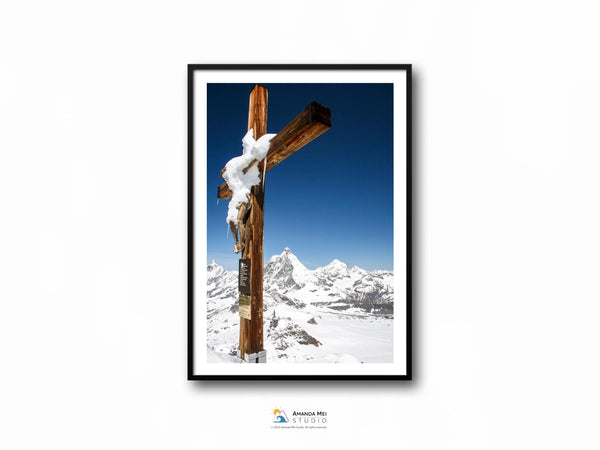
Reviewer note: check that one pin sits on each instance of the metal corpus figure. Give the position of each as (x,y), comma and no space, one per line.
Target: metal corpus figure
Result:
(243,215)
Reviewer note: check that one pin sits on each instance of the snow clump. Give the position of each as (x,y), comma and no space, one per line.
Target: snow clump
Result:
(239,182)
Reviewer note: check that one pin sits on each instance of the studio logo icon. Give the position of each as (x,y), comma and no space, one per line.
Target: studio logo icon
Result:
(279,416)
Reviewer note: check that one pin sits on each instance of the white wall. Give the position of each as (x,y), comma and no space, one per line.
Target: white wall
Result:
(93,209)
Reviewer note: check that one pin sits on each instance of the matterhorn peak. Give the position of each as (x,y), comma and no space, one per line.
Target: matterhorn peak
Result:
(285,270)
(286,255)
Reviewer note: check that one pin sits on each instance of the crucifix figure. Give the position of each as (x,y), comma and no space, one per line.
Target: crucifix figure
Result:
(308,125)
(242,218)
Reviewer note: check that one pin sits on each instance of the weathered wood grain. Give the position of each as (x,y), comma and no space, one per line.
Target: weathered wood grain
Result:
(251,331)
(307,126)
(257,110)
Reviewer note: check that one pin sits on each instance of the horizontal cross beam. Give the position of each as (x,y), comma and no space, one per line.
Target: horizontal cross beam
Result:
(307,126)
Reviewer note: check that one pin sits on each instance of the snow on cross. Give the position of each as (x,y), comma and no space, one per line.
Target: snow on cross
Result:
(245,215)
(240,175)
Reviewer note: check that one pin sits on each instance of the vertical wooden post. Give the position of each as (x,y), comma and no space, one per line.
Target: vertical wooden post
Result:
(251,331)
(308,125)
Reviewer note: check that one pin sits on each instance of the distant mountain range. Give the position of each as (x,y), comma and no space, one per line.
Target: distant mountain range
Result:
(330,314)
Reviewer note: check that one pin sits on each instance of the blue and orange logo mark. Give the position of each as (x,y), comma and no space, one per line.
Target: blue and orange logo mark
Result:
(279,416)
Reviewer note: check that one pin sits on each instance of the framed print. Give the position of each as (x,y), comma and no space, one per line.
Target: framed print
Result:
(299,222)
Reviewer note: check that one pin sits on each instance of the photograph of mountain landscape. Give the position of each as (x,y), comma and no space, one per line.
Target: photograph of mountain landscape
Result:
(333,314)
(304,269)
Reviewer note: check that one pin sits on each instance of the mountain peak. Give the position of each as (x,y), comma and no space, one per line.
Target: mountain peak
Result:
(337,263)
(214,269)
(287,270)
(286,254)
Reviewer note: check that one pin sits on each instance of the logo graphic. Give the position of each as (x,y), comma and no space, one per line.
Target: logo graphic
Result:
(279,416)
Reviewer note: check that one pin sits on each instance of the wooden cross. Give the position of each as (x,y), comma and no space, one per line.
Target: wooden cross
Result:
(308,125)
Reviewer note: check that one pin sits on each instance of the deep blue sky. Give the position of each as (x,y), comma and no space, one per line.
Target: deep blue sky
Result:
(333,199)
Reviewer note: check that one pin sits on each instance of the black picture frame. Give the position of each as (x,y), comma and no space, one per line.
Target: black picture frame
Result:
(191,286)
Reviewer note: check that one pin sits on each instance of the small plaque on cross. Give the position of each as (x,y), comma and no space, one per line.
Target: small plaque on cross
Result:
(245,306)
(245,298)
(244,277)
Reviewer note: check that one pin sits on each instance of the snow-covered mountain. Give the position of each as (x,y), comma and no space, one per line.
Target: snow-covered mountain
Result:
(285,272)
(334,286)
(331,314)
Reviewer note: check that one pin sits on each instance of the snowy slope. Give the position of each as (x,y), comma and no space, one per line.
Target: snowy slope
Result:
(332,314)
